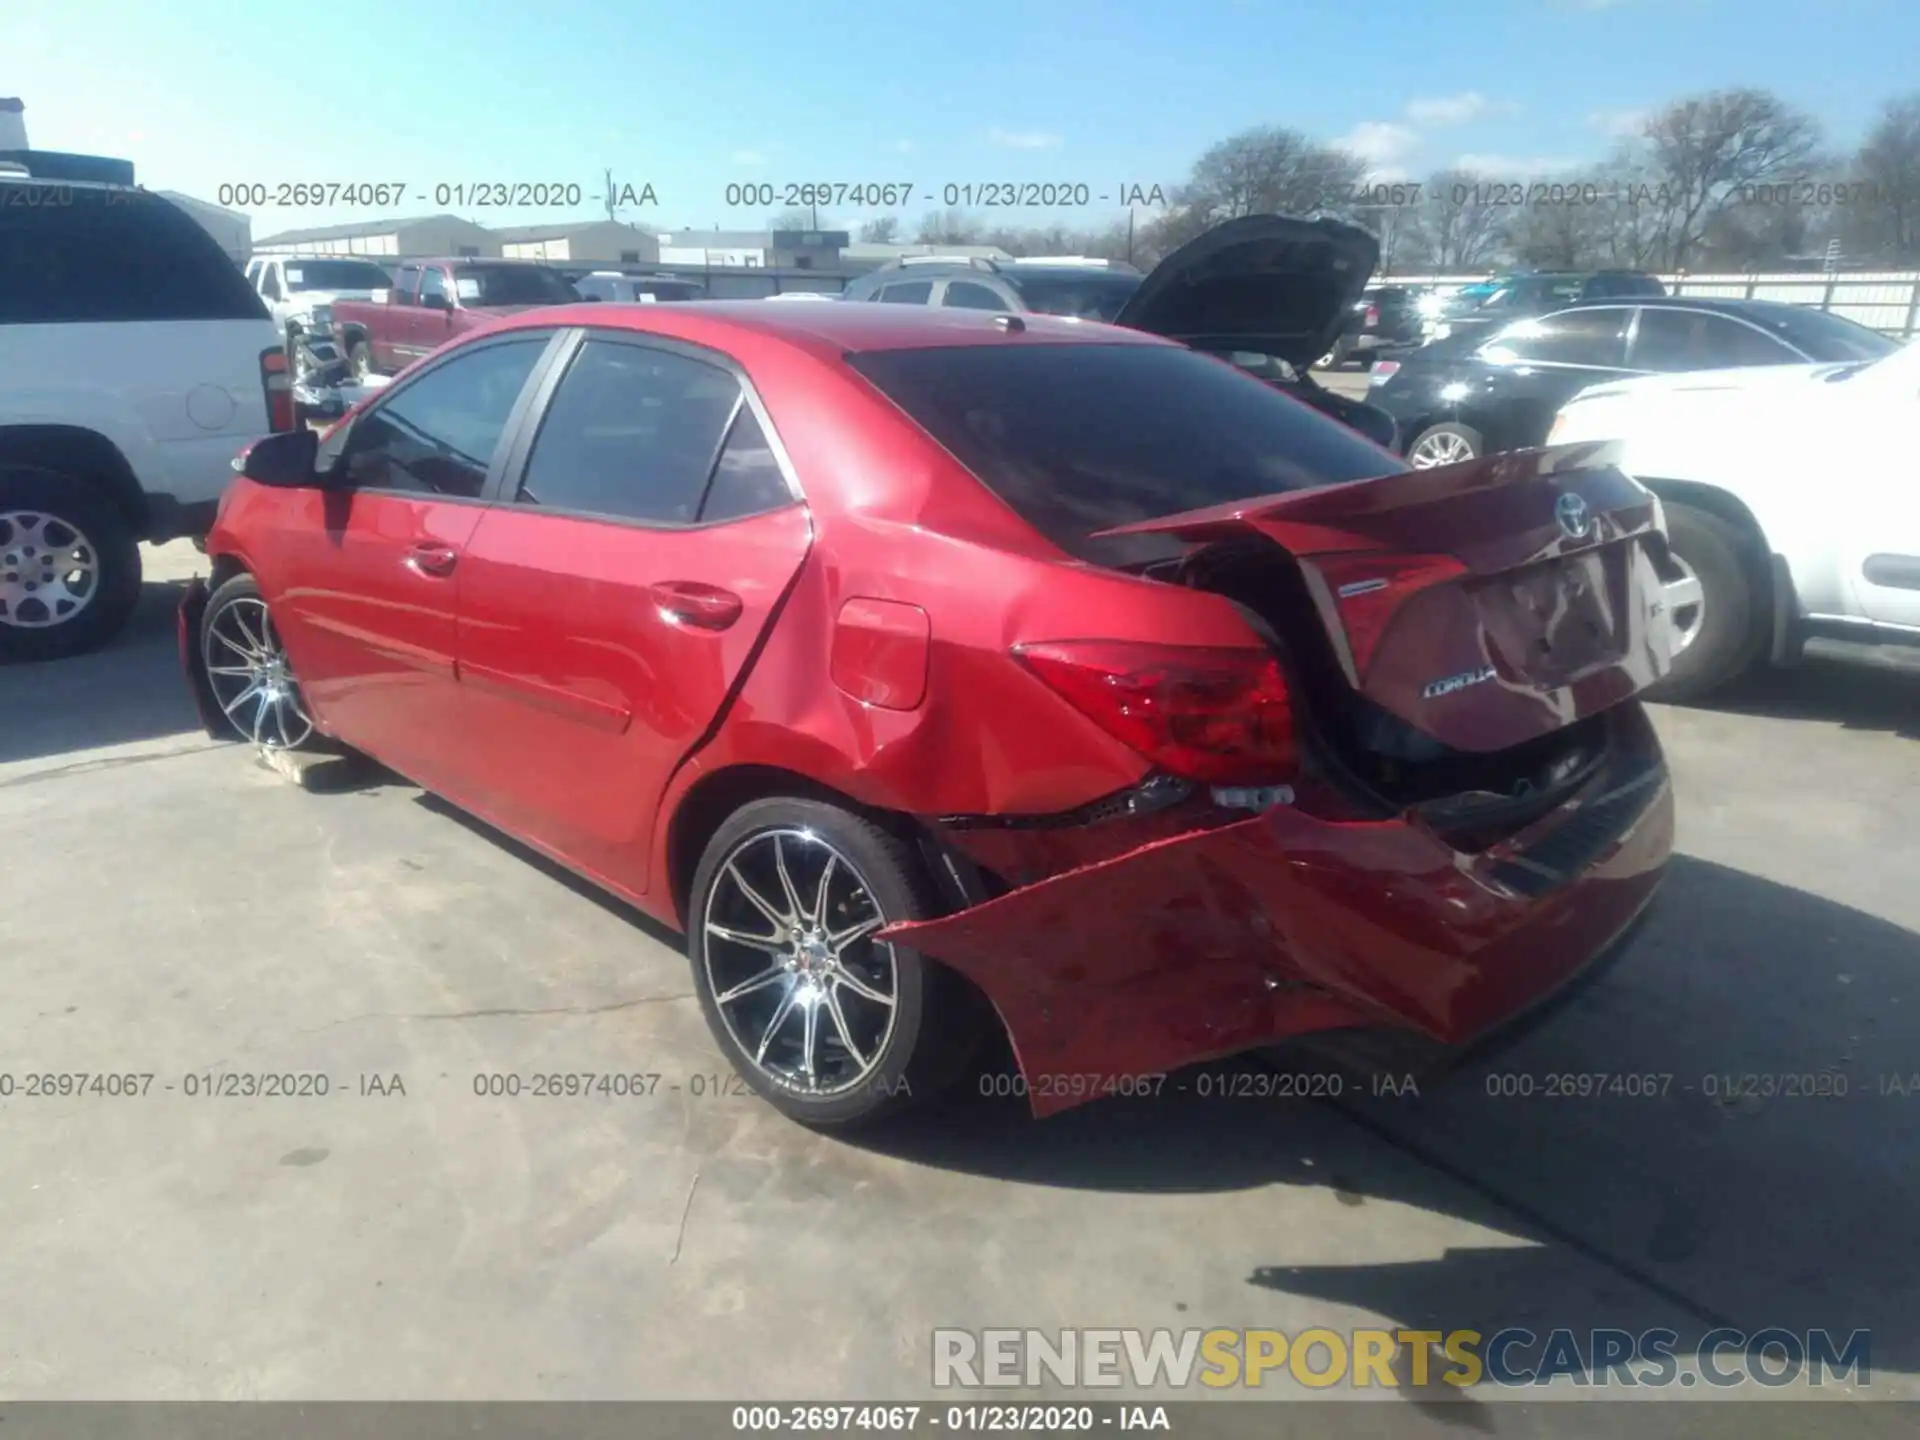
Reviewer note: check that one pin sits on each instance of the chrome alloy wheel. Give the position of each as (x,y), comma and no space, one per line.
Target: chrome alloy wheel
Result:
(804,990)
(1445,448)
(251,679)
(1685,599)
(49,570)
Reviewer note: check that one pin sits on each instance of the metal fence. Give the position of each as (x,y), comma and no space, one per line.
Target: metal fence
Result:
(1885,300)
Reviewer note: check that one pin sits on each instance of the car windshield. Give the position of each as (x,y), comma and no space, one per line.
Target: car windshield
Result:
(1824,337)
(1084,296)
(512,285)
(1079,438)
(336,275)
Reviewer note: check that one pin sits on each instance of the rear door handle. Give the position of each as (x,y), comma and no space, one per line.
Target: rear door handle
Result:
(436,561)
(689,602)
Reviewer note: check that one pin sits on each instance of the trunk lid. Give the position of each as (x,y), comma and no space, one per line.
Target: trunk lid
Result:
(1264,283)
(1484,604)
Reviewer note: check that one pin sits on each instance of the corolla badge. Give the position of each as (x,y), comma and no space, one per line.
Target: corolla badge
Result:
(1448,684)
(1575,518)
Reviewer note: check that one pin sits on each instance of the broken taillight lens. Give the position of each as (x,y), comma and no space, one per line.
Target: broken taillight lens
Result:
(1205,713)
(1369,588)
(1373,316)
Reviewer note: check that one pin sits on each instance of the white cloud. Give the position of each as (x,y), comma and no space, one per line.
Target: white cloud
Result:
(1516,168)
(749,157)
(1381,141)
(1622,123)
(1023,139)
(1456,109)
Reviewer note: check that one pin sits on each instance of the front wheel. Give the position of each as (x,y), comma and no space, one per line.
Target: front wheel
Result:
(829,1025)
(1447,444)
(69,565)
(248,671)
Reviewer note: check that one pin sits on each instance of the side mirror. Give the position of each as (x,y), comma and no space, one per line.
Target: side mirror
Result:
(436,302)
(285,460)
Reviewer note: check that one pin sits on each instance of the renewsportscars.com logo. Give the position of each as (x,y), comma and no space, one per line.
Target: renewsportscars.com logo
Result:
(1320,1358)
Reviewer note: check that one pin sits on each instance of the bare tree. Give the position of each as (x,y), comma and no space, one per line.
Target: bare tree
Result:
(1709,149)
(881,230)
(1882,215)
(798,218)
(1268,169)
(947,227)
(1449,229)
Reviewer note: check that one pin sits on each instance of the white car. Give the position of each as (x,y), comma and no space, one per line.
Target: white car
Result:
(299,290)
(135,363)
(1792,499)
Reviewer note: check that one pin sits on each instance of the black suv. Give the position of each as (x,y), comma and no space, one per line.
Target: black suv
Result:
(1267,292)
(1528,293)
(1384,320)
(619,286)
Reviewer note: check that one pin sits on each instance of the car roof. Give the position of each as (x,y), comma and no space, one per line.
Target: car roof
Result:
(829,331)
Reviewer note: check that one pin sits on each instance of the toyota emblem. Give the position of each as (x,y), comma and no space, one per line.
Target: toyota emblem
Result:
(1574,516)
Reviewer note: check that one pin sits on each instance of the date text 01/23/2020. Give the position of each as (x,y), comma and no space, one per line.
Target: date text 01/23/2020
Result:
(971,194)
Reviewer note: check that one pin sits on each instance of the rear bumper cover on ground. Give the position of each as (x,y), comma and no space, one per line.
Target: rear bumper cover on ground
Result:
(1225,940)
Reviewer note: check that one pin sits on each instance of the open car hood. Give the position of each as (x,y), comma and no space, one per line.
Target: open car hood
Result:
(1265,283)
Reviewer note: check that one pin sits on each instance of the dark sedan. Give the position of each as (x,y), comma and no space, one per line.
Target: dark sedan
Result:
(1457,399)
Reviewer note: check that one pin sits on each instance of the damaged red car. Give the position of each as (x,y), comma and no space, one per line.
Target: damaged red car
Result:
(931,666)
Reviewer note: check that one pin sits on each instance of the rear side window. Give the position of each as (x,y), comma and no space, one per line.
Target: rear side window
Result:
(72,254)
(970,295)
(909,292)
(1674,340)
(1078,438)
(748,479)
(632,434)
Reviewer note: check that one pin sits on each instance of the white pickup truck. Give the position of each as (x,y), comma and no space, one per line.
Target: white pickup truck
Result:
(299,290)
(1792,505)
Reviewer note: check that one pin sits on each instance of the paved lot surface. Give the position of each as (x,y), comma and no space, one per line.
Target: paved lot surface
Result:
(167,906)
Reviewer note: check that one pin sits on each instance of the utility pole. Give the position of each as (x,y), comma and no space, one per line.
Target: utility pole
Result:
(609,194)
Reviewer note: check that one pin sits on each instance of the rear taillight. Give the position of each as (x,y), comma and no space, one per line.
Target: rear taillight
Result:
(278,388)
(1215,715)
(1373,316)
(1368,589)
(1383,371)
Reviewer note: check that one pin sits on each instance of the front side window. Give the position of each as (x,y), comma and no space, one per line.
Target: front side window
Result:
(436,435)
(1596,338)
(270,284)
(632,434)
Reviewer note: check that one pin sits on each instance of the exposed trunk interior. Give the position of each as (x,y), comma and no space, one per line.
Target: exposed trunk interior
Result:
(1475,799)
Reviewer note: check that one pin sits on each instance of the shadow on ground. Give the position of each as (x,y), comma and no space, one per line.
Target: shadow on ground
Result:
(1727,1183)
(1856,697)
(130,690)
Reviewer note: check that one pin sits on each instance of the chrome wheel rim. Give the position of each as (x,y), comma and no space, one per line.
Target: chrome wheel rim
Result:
(806,992)
(49,570)
(1445,448)
(1686,602)
(251,678)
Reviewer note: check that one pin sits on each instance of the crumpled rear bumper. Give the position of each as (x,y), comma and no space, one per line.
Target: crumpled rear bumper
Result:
(1224,940)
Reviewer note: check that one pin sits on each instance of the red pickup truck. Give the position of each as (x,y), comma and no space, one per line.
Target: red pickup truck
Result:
(431,301)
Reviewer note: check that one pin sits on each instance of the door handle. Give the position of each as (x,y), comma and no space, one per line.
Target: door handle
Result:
(434,561)
(689,602)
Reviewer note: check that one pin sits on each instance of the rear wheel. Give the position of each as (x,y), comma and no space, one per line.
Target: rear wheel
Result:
(359,361)
(1446,444)
(69,565)
(1713,594)
(829,1025)
(248,671)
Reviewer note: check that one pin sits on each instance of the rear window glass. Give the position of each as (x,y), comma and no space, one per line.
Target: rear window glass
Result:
(1079,438)
(1826,338)
(75,254)
(1086,297)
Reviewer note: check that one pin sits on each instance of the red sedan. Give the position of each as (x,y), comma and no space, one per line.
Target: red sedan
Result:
(908,659)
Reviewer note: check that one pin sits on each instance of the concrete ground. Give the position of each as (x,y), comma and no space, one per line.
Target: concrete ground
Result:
(170,908)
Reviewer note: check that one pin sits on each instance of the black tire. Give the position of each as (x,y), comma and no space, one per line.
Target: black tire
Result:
(1735,618)
(936,1017)
(242,589)
(1475,441)
(73,507)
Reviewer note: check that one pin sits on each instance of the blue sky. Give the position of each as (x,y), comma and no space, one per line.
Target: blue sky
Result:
(692,97)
